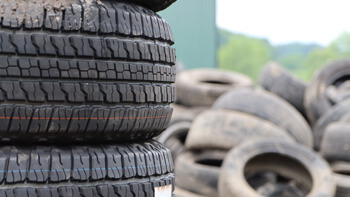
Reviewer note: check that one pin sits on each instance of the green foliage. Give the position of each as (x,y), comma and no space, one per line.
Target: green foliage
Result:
(248,55)
(244,54)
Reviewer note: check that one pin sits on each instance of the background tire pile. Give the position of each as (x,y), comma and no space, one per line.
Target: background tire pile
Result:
(83,91)
(284,138)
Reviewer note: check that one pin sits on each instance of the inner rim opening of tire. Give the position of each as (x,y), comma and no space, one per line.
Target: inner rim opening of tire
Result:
(277,169)
(210,162)
(218,82)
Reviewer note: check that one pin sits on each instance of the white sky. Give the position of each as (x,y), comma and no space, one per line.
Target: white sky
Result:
(283,21)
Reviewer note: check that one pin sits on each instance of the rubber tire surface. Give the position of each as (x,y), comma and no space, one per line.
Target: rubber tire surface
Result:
(155,5)
(232,181)
(224,129)
(196,177)
(183,193)
(342,181)
(94,72)
(173,138)
(335,142)
(316,101)
(282,83)
(181,114)
(335,114)
(196,87)
(109,170)
(269,107)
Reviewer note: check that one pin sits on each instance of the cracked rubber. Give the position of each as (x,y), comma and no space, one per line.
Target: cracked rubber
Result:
(93,71)
(106,171)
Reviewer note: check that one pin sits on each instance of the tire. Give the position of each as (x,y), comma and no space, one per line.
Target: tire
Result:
(201,87)
(333,115)
(155,5)
(269,107)
(285,85)
(90,74)
(295,162)
(222,129)
(198,172)
(341,175)
(174,138)
(317,102)
(181,114)
(183,193)
(110,170)
(335,142)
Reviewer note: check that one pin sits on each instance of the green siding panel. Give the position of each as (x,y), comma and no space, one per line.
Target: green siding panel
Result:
(193,23)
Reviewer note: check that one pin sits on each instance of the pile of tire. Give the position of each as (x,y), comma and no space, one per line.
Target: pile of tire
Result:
(196,91)
(85,86)
(284,138)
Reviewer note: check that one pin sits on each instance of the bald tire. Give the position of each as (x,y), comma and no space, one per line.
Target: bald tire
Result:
(279,81)
(335,142)
(269,107)
(336,113)
(233,183)
(225,129)
(201,87)
(97,71)
(179,192)
(341,175)
(198,172)
(316,101)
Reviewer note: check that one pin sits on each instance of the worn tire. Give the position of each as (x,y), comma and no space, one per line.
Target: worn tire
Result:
(341,172)
(316,101)
(335,114)
(155,5)
(107,170)
(335,142)
(285,85)
(174,138)
(201,87)
(291,160)
(269,107)
(87,74)
(183,193)
(181,114)
(198,172)
(223,129)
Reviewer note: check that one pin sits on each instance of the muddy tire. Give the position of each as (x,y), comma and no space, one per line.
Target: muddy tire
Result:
(155,5)
(341,175)
(198,172)
(282,83)
(335,142)
(39,171)
(335,114)
(84,73)
(201,87)
(292,161)
(174,138)
(317,102)
(223,129)
(269,107)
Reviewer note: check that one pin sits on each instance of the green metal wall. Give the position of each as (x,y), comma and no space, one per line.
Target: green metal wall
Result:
(193,23)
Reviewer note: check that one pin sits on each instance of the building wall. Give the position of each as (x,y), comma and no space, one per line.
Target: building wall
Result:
(193,23)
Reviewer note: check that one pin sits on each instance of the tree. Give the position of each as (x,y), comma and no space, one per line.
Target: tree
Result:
(244,54)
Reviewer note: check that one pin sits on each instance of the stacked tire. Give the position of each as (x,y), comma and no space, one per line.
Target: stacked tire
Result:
(84,88)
